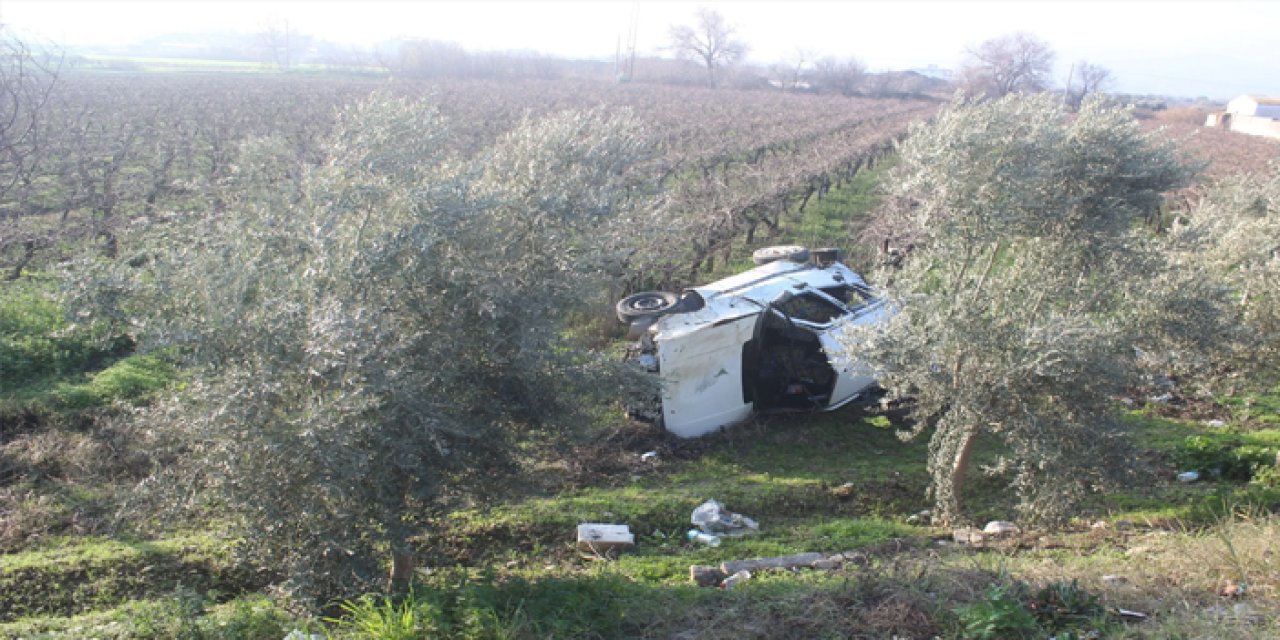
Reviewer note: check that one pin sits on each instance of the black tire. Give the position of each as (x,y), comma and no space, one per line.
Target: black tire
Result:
(647,304)
(791,252)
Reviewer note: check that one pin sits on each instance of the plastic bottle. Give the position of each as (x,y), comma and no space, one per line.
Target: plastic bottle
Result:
(705,538)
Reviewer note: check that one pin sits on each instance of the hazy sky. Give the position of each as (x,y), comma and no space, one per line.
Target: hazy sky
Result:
(1218,49)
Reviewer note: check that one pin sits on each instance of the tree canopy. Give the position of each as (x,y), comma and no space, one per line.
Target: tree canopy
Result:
(1015,63)
(1031,290)
(365,335)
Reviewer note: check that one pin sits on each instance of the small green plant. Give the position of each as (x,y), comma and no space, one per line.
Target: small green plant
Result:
(174,617)
(1226,456)
(1014,610)
(383,618)
(1267,476)
(250,617)
(1064,605)
(1001,613)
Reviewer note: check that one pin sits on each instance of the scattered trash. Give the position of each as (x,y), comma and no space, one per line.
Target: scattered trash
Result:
(1246,613)
(712,517)
(856,557)
(1000,528)
(1233,589)
(1241,611)
(1217,424)
(735,579)
(1114,580)
(923,517)
(1163,398)
(1188,476)
(649,456)
(709,539)
(1133,615)
(794,561)
(1101,524)
(299,634)
(829,564)
(599,538)
(649,361)
(969,536)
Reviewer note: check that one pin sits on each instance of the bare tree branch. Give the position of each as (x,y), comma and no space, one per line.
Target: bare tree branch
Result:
(711,42)
(1016,63)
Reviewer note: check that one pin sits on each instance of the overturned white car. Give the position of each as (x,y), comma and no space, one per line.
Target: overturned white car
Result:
(758,341)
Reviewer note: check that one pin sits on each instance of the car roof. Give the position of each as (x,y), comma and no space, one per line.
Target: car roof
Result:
(749,292)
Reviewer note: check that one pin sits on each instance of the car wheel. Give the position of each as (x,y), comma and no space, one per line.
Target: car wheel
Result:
(791,252)
(646,305)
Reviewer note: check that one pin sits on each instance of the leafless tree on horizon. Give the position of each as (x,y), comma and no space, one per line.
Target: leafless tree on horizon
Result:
(711,42)
(1014,63)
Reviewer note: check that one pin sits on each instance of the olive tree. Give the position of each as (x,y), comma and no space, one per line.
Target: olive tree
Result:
(1019,312)
(364,337)
(1232,232)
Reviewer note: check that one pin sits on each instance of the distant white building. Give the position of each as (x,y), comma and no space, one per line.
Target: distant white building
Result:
(1255,106)
(1254,115)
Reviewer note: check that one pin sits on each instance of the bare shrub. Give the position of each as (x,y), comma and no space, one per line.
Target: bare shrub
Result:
(1181,115)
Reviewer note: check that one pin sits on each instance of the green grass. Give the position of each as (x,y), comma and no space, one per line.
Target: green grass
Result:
(1261,406)
(781,472)
(519,576)
(50,365)
(184,614)
(1161,501)
(834,221)
(84,574)
(132,379)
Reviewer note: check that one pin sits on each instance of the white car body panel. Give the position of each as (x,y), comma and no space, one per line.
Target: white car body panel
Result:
(701,353)
(702,378)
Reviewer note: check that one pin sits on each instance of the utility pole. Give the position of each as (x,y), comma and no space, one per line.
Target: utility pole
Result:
(1066,93)
(631,41)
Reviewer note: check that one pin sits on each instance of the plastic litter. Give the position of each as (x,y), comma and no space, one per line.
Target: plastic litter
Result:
(712,517)
(598,537)
(1188,476)
(735,579)
(709,539)
(649,456)
(299,634)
